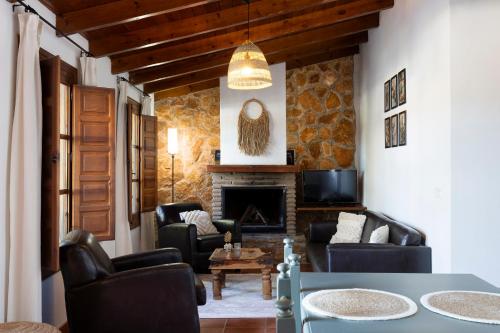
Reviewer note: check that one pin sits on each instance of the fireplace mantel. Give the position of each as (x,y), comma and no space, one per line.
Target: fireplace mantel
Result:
(252,168)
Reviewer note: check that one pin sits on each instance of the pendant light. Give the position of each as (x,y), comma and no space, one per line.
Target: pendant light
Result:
(248,68)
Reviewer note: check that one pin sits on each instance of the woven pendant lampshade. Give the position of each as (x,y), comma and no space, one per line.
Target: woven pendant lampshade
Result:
(248,68)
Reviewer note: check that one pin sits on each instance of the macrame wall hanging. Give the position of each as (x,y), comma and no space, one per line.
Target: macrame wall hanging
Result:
(253,134)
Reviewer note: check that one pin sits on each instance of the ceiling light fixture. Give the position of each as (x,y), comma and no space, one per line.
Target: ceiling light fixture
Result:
(248,68)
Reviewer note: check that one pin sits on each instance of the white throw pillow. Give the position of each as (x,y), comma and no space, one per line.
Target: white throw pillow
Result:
(380,235)
(201,220)
(349,228)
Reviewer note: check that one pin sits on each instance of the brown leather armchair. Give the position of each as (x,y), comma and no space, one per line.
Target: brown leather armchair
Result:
(145,292)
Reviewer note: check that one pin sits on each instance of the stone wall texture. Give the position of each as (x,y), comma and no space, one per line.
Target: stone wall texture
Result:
(321,128)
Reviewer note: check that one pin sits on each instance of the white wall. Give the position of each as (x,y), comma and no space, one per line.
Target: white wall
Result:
(53,292)
(411,183)
(475,134)
(274,98)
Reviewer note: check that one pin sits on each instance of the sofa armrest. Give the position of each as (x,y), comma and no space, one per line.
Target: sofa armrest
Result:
(181,236)
(233,226)
(379,258)
(321,232)
(153,299)
(147,259)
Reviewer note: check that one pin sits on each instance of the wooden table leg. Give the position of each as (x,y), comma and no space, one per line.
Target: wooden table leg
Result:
(216,284)
(223,279)
(266,284)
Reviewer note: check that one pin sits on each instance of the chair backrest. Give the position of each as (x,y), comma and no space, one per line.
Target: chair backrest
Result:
(169,213)
(82,259)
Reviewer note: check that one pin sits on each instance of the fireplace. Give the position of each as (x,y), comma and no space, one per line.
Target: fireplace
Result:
(260,209)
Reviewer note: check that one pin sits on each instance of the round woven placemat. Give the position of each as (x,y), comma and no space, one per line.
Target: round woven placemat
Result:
(479,307)
(27,327)
(359,304)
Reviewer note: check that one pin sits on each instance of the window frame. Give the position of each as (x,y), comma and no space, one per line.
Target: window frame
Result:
(133,108)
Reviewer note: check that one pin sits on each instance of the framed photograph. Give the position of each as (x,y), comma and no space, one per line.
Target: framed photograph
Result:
(387,126)
(402,128)
(394,130)
(394,92)
(290,157)
(217,156)
(402,87)
(387,96)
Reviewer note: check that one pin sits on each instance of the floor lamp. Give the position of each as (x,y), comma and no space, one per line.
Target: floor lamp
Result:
(172,148)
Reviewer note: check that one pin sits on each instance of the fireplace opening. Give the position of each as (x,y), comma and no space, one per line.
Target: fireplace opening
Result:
(258,208)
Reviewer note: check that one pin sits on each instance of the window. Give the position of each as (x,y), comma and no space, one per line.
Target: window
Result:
(133,158)
(64,160)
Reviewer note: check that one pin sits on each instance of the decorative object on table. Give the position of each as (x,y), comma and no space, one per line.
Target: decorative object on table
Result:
(402,87)
(217,156)
(387,123)
(248,68)
(227,239)
(394,130)
(290,157)
(402,128)
(253,134)
(359,304)
(394,92)
(480,307)
(27,327)
(172,149)
(387,96)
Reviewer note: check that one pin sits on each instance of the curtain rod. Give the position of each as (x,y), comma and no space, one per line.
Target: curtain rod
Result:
(121,78)
(30,9)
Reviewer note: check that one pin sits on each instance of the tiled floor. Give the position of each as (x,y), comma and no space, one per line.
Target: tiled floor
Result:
(257,325)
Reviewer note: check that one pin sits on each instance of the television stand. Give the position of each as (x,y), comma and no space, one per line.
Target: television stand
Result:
(336,208)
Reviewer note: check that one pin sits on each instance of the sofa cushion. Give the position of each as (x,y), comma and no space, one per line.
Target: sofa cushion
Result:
(208,243)
(317,256)
(349,228)
(380,235)
(399,234)
(169,213)
(201,220)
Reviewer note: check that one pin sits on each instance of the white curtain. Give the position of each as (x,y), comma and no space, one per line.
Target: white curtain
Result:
(24,300)
(123,240)
(146,105)
(88,71)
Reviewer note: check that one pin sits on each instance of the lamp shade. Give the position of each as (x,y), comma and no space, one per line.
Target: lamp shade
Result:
(173,144)
(248,68)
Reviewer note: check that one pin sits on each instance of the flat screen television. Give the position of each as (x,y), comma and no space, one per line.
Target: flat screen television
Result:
(330,186)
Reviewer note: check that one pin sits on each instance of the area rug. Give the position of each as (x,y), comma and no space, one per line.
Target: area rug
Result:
(242,298)
(473,306)
(359,304)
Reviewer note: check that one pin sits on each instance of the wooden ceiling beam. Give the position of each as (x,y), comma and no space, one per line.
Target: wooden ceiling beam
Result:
(178,51)
(120,11)
(307,40)
(195,25)
(293,57)
(297,63)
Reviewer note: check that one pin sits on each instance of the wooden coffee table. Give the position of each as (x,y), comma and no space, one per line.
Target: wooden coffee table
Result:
(246,258)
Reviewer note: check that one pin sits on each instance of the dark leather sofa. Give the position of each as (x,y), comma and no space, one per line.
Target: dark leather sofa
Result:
(196,250)
(405,253)
(145,292)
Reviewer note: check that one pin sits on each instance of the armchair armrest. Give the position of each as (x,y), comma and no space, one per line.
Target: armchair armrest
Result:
(181,236)
(147,259)
(156,299)
(378,258)
(233,226)
(321,232)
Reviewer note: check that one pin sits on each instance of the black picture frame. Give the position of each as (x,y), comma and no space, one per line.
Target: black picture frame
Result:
(394,92)
(394,130)
(290,157)
(402,87)
(402,128)
(387,133)
(217,156)
(387,96)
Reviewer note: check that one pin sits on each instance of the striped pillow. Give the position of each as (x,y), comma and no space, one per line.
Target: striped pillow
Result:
(201,220)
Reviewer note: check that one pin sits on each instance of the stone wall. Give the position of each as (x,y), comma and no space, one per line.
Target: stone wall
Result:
(320,128)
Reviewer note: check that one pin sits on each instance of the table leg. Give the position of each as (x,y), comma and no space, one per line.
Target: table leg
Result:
(223,279)
(216,284)
(266,284)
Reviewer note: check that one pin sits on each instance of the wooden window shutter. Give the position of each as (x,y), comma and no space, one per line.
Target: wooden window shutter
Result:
(149,162)
(94,161)
(51,78)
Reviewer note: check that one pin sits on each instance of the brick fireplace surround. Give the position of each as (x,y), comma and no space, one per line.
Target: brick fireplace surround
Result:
(269,175)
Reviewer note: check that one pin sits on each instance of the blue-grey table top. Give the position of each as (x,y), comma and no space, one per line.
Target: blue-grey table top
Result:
(411,285)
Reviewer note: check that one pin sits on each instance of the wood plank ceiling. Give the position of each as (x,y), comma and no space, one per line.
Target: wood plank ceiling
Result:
(180,46)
